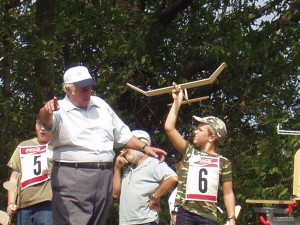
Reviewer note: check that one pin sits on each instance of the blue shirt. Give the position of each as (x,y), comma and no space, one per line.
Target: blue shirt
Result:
(138,185)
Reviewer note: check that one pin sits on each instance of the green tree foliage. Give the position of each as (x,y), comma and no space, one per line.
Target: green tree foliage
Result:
(152,44)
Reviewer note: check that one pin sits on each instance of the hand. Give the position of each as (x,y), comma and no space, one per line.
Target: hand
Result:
(232,222)
(177,94)
(11,209)
(121,161)
(155,152)
(154,204)
(173,218)
(52,105)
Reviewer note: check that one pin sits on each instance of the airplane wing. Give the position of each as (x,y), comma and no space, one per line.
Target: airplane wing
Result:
(192,84)
(192,100)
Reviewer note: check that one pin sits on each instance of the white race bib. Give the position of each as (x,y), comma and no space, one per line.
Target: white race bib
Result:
(203,178)
(34,165)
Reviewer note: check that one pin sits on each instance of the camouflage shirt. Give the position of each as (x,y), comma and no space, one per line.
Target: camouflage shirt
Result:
(202,208)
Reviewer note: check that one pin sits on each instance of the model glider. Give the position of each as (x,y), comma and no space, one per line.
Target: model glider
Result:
(184,86)
(5,218)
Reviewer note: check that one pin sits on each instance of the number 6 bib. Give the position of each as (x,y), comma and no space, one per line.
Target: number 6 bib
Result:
(203,178)
(34,165)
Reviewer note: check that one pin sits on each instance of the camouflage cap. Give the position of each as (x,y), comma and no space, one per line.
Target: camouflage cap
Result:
(217,124)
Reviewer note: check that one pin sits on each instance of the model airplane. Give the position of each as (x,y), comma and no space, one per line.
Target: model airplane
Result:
(5,218)
(184,86)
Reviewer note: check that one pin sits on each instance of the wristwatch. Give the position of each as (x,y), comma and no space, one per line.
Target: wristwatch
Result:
(232,218)
(152,197)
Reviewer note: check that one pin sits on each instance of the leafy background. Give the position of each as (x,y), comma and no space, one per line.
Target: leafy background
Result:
(151,44)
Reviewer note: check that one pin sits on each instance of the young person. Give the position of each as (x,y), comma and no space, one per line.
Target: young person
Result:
(203,170)
(31,165)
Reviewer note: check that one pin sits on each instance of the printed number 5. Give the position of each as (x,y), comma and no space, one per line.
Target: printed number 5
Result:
(202,181)
(37,170)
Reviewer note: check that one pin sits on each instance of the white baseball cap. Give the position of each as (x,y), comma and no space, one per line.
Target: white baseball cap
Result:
(143,136)
(79,76)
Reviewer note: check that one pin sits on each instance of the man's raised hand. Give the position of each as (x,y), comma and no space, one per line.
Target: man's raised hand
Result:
(52,105)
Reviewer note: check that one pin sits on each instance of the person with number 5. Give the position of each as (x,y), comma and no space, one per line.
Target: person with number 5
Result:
(204,170)
(30,194)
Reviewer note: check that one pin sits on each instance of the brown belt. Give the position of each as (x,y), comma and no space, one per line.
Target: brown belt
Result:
(87,165)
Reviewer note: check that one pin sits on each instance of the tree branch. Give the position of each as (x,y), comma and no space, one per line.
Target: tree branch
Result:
(259,13)
(168,14)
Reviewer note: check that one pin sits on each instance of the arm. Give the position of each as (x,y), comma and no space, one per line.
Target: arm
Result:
(173,211)
(165,187)
(176,139)
(135,143)
(117,182)
(11,196)
(46,113)
(229,200)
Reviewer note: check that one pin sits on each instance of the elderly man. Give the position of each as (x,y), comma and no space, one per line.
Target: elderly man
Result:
(85,129)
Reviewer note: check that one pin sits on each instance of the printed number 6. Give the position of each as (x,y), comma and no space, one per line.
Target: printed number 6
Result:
(202,181)
(38,170)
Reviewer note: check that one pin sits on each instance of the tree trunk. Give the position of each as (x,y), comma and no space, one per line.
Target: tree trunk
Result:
(44,64)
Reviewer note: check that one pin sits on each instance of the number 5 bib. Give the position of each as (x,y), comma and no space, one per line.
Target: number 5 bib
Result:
(34,165)
(203,178)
